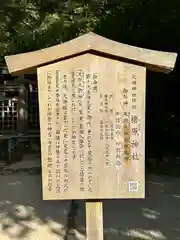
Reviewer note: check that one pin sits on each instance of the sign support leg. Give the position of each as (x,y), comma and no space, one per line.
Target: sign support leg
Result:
(94,220)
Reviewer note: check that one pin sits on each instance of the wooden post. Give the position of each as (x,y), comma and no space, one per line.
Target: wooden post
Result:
(94,220)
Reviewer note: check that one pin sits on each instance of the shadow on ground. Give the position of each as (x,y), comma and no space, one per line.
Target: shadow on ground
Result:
(156,217)
(23,214)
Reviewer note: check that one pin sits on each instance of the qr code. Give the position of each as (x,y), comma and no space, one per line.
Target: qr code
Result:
(133,186)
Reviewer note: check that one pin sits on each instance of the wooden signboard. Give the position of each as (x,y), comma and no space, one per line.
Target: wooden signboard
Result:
(92,119)
(92,114)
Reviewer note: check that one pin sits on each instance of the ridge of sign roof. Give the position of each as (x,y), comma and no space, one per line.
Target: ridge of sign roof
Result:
(157,60)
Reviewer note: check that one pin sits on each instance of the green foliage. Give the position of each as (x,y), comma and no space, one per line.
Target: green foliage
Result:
(30,25)
(27,25)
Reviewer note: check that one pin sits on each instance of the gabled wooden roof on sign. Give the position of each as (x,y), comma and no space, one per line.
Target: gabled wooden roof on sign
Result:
(28,62)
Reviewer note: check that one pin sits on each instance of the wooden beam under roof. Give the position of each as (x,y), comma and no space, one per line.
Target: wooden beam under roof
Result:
(29,62)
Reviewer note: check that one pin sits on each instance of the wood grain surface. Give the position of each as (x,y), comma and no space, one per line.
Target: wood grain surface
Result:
(92,120)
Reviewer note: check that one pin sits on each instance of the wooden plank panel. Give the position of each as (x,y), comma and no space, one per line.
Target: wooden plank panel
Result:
(92,119)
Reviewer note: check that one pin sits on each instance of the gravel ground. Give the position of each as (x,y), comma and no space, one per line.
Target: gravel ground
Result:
(24,216)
